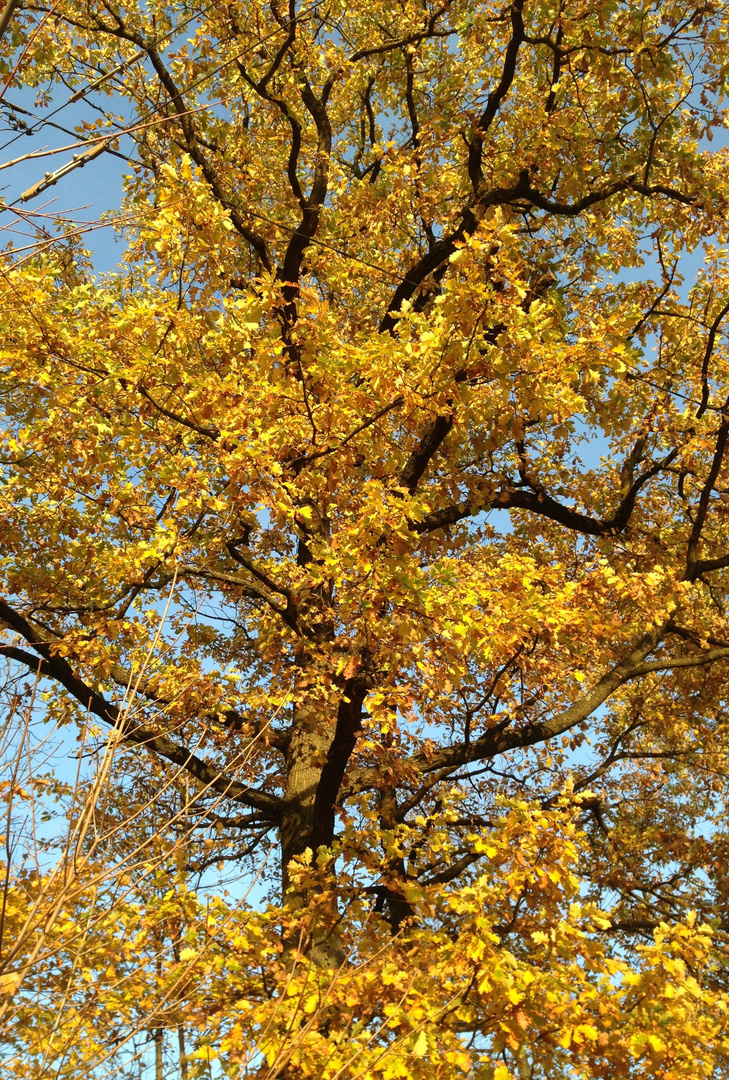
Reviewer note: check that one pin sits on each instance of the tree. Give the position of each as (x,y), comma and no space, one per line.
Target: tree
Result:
(377,505)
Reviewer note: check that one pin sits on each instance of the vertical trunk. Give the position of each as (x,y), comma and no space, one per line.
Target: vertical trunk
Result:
(311,738)
(181,1045)
(314,716)
(325,722)
(323,736)
(398,908)
(158,1068)
(312,734)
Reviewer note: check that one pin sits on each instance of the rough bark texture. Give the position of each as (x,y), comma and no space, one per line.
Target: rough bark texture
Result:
(323,738)
(312,734)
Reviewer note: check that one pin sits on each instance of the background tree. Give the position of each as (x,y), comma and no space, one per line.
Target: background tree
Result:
(411,392)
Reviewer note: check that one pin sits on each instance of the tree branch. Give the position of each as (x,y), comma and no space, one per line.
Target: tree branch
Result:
(692,560)
(500,740)
(56,667)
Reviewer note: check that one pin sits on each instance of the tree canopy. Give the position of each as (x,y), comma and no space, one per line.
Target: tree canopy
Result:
(367,528)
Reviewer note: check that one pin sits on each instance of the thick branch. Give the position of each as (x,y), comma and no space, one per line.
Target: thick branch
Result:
(496,96)
(410,39)
(502,740)
(539,502)
(523,196)
(418,461)
(349,722)
(692,560)
(708,352)
(311,206)
(697,660)
(56,667)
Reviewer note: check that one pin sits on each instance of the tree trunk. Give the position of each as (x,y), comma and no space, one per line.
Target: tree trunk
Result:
(314,719)
(158,1041)
(312,734)
(326,719)
(183,1056)
(323,736)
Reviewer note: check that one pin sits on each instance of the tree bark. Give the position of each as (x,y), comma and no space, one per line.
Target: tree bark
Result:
(313,729)
(158,1066)
(183,1056)
(323,737)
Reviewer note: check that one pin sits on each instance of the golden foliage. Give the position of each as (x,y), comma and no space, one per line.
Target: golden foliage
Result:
(372,510)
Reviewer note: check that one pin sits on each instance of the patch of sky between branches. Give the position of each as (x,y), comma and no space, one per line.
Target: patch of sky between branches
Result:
(90,196)
(78,200)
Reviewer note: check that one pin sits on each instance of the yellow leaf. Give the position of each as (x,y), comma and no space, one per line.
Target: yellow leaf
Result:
(420,1046)
(206,1053)
(9,982)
